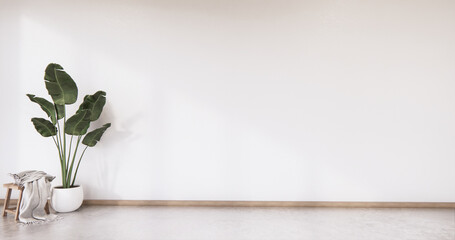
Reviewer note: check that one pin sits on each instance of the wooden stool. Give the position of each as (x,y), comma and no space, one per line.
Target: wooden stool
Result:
(6,209)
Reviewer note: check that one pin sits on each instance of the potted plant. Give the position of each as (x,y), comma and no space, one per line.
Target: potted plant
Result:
(66,131)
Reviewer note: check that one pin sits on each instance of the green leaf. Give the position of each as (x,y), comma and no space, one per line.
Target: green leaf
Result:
(47,106)
(94,136)
(60,85)
(94,103)
(78,123)
(60,111)
(44,127)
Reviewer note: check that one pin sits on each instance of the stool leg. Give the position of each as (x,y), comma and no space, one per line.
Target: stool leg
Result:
(46,208)
(6,203)
(18,207)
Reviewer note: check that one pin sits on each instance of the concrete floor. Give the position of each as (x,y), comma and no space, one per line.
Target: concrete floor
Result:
(97,222)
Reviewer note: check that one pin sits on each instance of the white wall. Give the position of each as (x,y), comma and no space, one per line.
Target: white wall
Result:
(242,100)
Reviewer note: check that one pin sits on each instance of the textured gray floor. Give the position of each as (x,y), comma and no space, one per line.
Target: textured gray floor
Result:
(95,222)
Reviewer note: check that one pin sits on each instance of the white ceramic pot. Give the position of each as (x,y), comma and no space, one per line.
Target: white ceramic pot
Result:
(67,199)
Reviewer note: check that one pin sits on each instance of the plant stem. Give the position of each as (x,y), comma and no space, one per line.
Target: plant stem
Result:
(59,155)
(77,168)
(64,143)
(56,145)
(72,162)
(69,151)
(62,156)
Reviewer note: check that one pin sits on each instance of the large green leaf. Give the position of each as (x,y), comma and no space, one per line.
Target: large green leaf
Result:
(60,85)
(47,106)
(94,136)
(94,103)
(60,111)
(44,127)
(78,123)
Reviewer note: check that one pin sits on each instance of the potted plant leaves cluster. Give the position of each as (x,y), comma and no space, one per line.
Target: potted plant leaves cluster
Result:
(68,134)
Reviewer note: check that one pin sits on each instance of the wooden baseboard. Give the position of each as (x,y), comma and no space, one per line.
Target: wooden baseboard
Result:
(186,203)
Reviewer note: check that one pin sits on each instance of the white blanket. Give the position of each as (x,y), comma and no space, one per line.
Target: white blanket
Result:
(37,190)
